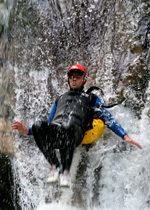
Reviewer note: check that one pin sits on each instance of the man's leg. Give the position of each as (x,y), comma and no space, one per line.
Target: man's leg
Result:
(45,136)
(72,137)
(66,153)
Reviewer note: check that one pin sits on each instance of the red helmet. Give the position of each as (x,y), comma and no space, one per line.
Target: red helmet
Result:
(81,68)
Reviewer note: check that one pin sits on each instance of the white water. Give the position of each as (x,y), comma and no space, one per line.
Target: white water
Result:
(124,177)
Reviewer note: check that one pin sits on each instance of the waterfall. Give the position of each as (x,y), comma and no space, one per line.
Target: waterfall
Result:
(111,39)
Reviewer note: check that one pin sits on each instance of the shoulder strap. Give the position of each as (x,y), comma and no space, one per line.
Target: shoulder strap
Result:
(103,105)
(94,88)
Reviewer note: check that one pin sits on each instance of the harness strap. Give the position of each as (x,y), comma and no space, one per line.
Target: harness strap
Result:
(104,105)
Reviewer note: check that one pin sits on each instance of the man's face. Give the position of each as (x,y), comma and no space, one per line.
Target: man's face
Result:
(75,79)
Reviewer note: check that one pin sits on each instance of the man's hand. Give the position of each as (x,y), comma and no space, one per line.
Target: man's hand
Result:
(131,141)
(20,127)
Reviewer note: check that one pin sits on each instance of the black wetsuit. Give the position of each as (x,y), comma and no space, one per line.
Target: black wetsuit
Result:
(67,123)
(66,131)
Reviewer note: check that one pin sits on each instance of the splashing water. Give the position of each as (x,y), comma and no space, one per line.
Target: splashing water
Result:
(112,174)
(116,173)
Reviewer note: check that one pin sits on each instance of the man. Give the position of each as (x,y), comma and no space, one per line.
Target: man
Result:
(67,123)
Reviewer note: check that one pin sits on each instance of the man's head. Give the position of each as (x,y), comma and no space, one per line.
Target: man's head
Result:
(76,76)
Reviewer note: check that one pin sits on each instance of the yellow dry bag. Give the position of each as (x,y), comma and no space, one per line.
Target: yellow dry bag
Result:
(95,133)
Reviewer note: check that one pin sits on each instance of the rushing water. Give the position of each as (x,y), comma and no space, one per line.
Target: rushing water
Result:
(112,39)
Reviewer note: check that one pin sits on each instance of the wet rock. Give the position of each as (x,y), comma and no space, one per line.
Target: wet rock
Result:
(1,29)
(142,36)
(6,112)
(137,48)
(80,188)
(3,49)
(6,139)
(6,183)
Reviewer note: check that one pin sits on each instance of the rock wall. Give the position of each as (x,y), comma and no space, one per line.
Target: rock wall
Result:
(6,183)
(6,84)
(6,114)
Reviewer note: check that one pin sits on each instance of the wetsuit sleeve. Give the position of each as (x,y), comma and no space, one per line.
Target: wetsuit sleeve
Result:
(97,103)
(52,113)
(50,118)
(30,131)
(109,120)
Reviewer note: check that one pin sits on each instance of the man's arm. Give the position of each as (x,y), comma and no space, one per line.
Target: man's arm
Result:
(20,127)
(52,113)
(25,130)
(111,123)
(131,141)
